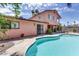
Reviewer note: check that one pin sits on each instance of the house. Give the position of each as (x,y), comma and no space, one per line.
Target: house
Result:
(37,24)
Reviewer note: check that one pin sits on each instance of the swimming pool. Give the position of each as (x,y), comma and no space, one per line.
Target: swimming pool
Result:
(63,45)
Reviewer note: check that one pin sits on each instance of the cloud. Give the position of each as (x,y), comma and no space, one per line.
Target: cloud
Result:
(38,5)
(10,14)
(44,6)
(32,5)
(6,11)
(50,4)
(68,9)
(64,9)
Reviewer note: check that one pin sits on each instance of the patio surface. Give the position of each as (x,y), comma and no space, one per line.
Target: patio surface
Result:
(19,48)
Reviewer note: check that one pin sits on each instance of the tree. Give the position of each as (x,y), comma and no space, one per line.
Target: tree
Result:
(15,8)
(74,26)
(74,22)
(67,23)
(4,24)
(59,27)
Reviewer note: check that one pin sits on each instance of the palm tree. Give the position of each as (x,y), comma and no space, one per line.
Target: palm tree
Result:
(74,22)
(15,8)
(74,28)
(67,23)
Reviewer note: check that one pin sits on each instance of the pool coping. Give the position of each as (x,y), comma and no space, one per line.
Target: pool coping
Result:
(26,43)
(54,35)
(42,37)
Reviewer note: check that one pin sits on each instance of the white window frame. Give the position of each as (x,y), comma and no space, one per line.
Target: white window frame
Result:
(13,25)
(50,17)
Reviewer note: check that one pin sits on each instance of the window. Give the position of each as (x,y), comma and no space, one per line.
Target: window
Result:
(50,17)
(57,20)
(15,25)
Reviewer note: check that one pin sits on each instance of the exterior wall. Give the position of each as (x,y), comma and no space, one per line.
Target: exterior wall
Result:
(44,17)
(44,27)
(30,27)
(26,27)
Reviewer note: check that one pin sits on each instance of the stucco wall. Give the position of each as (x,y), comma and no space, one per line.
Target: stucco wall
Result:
(44,17)
(27,28)
(30,27)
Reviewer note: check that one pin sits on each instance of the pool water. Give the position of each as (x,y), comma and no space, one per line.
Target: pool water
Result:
(64,45)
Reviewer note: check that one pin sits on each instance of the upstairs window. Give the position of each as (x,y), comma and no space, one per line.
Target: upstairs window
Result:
(57,20)
(15,25)
(50,17)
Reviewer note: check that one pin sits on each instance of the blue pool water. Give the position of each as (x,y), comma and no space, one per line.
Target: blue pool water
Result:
(64,45)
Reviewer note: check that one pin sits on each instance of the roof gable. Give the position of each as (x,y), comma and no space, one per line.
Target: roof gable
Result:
(55,11)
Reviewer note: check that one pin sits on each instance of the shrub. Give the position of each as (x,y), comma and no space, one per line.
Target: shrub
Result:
(49,31)
(54,30)
(59,27)
(74,30)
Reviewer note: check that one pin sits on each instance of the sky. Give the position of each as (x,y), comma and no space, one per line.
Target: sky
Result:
(68,14)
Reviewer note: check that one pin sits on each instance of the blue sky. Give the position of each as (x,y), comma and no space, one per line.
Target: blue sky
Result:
(67,14)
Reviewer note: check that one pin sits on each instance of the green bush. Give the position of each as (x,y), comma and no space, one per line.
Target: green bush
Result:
(74,30)
(59,27)
(49,31)
(54,30)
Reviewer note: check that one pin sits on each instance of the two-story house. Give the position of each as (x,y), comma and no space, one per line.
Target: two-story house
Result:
(37,24)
